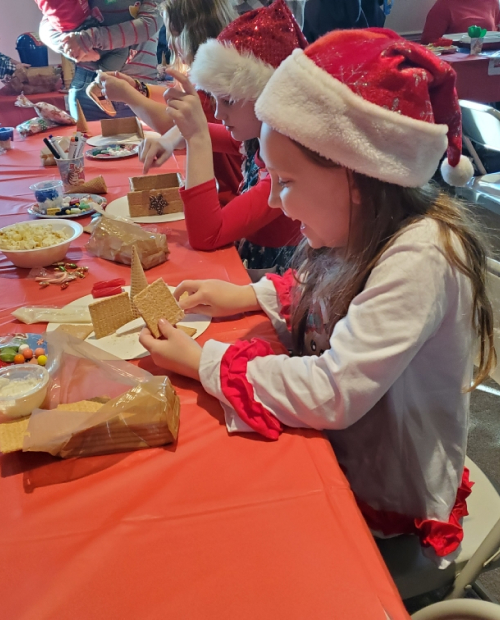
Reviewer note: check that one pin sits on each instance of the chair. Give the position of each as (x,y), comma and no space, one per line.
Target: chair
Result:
(480,126)
(459,610)
(415,575)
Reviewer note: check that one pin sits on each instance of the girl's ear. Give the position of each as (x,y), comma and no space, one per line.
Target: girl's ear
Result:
(354,191)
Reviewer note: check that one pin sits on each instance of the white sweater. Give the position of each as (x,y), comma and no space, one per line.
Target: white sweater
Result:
(389,391)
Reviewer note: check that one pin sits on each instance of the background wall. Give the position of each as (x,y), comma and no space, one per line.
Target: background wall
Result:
(407,16)
(21,16)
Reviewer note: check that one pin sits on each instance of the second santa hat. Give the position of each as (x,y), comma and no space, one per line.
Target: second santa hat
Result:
(241,60)
(372,102)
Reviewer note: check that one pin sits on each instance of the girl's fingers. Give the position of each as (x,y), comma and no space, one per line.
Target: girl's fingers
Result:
(173,93)
(162,159)
(183,81)
(146,338)
(186,286)
(200,309)
(166,328)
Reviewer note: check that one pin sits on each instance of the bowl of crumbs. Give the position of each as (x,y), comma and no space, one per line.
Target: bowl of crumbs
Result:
(38,243)
(22,389)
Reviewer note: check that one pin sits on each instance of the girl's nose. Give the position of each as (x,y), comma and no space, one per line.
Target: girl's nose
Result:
(274,197)
(219,115)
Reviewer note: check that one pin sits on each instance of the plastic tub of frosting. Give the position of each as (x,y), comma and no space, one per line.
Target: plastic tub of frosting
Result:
(48,194)
(22,389)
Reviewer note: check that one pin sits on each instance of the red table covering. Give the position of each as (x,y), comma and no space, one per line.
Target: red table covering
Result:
(473,81)
(11,116)
(216,526)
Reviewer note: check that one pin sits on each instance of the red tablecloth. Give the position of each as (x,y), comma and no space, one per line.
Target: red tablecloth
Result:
(11,116)
(216,526)
(473,81)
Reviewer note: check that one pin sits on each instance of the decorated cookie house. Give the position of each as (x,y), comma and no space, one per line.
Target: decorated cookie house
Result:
(154,195)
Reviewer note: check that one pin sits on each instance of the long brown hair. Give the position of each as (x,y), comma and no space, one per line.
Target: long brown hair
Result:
(387,210)
(191,22)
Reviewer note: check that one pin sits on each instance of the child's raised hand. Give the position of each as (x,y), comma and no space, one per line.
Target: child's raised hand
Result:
(115,88)
(215,298)
(175,351)
(184,107)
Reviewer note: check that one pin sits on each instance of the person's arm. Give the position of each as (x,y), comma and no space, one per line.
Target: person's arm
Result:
(210,226)
(437,23)
(127,33)
(51,37)
(400,309)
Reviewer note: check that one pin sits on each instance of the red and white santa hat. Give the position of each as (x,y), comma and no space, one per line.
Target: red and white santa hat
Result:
(372,102)
(241,60)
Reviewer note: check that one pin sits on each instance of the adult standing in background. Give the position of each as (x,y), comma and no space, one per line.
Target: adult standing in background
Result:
(452,16)
(321,16)
(125,24)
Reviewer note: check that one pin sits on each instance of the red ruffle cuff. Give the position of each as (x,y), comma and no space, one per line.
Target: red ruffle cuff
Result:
(239,392)
(283,285)
(443,536)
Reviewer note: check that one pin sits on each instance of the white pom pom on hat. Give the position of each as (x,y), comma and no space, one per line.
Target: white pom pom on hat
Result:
(458,175)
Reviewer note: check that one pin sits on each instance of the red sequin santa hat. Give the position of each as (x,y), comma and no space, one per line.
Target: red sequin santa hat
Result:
(372,102)
(241,60)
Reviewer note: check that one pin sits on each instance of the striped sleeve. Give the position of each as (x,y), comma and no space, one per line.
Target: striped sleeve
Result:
(127,33)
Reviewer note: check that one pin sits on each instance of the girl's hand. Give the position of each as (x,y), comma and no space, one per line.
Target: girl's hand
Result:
(124,77)
(154,152)
(215,298)
(185,109)
(176,351)
(116,88)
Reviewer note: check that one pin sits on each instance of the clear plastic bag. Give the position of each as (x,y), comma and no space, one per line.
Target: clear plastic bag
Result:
(52,314)
(135,410)
(113,240)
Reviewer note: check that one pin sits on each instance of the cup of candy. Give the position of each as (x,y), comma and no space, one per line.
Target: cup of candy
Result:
(6,137)
(48,194)
(476,35)
(72,172)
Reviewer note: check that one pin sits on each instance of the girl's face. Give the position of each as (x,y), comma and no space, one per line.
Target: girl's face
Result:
(238,117)
(323,199)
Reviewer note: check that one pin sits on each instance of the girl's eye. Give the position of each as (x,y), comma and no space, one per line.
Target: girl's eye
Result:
(282,183)
(227,102)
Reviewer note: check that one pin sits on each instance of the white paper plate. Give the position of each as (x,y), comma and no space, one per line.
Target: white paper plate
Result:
(99,199)
(94,152)
(120,207)
(121,137)
(127,346)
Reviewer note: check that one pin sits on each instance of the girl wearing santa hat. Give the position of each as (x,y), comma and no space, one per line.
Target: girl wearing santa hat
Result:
(234,68)
(388,299)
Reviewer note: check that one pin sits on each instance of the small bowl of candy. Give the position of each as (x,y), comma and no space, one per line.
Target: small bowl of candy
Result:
(48,194)
(22,389)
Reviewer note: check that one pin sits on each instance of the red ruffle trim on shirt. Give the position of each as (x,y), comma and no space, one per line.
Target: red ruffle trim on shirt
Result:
(239,392)
(283,285)
(443,537)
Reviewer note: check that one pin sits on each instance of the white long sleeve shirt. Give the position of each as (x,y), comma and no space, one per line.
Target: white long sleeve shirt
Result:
(389,391)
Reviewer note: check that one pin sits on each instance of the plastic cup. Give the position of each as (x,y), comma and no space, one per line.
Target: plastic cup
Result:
(48,194)
(72,172)
(476,45)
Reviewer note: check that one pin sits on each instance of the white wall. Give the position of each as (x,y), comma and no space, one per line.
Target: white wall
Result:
(408,16)
(20,16)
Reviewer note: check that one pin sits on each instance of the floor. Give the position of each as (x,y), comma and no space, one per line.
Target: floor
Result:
(484,450)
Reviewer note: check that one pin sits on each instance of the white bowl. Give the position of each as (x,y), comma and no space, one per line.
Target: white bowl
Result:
(42,257)
(24,403)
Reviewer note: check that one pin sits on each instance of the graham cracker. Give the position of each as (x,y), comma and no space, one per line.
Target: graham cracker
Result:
(190,331)
(12,434)
(78,331)
(157,302)
(87,406)
(138,281)
(110,313)
(114,126)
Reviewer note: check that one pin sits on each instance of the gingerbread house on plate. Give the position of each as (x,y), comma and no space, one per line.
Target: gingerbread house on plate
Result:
(155,195)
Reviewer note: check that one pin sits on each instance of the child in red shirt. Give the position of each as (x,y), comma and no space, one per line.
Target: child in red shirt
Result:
(234,68)
(452,16)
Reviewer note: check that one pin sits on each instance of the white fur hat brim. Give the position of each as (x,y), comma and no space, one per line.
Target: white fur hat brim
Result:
(223,71)
(310,106)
